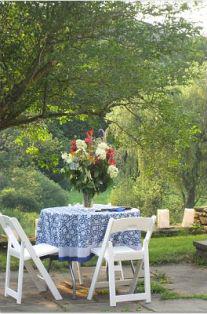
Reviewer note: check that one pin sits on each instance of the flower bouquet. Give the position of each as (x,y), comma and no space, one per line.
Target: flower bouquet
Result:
(91,165)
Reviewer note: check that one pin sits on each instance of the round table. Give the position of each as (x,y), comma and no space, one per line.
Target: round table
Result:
(75,230)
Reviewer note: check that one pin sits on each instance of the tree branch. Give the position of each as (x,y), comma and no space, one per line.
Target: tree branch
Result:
(123,130)
(44,116)
(134,114)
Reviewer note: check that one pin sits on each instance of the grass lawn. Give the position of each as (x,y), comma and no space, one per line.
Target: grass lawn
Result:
(77,197)
(173,249)
(162,250)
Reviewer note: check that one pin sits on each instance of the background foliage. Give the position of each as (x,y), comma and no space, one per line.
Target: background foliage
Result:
(68,66)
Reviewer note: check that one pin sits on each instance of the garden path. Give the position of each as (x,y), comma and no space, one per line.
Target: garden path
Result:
(184,279)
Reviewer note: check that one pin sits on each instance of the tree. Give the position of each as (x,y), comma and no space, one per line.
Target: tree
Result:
(169,143)
(192,166)
(77,59)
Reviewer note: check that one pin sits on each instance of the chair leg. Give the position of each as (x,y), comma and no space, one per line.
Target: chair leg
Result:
(132,267)
(20,280)
(107,271)
(8,273)
(137,270)
(77,265)
(94,279)
(112,291)
(49,264)
(39,283)
(121,270)
(48,279)
(147,284)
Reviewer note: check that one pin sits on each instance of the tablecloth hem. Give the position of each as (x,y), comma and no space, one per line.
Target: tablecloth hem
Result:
(76,259)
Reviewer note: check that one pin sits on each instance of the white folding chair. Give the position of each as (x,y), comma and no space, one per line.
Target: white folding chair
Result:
(122,253)
(20,247)
(76,266)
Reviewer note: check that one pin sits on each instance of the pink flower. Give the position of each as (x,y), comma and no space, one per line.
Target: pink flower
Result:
(88,140)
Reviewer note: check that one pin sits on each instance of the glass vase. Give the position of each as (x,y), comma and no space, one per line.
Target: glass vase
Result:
(87,200)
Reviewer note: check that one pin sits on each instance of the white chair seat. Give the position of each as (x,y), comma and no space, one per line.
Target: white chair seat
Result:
(123,252)
(41,249)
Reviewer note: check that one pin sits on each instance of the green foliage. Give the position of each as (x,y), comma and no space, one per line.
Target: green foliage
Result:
(54,63)
(143,194)
(76,59)
(22,148)
(148,196)
(26,219)
(11,198)
(168,141)
(30,190)
(123,195)
(173,201)
(93,179)
(3,180)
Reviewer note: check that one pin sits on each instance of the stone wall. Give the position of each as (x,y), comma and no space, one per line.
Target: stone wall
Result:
(200,217)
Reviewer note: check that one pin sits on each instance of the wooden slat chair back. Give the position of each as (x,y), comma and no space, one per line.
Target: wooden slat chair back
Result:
(113,254)
(20,247)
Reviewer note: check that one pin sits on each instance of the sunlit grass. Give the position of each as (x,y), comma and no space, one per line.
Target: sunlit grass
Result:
(162,250)
(77,197)
(173,249)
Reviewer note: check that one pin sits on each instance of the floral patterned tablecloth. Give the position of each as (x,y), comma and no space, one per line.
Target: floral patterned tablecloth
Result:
(75,230)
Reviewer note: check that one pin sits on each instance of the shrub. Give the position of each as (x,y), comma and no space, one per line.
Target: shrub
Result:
(26,219)
(145,195)
(51,193)
(12,199)
(148,196)
(123,194)
(3,180)
(30,190)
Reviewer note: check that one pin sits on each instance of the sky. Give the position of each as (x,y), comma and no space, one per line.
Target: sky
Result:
(197,14)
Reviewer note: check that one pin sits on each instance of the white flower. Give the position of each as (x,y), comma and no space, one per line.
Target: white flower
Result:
(81,144)
(113,171)
(64,156)
(102,146)
(101,153)
(68,158)
(74,165)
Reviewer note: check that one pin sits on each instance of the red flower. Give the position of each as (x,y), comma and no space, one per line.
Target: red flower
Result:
(110,153)
(90,133)
(110,156)
(111,161)
(88,140)
(73,146)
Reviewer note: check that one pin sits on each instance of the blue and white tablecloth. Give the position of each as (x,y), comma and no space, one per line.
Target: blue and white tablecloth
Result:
(75,230)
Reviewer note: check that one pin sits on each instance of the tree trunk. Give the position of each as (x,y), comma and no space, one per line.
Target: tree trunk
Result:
(190,198)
